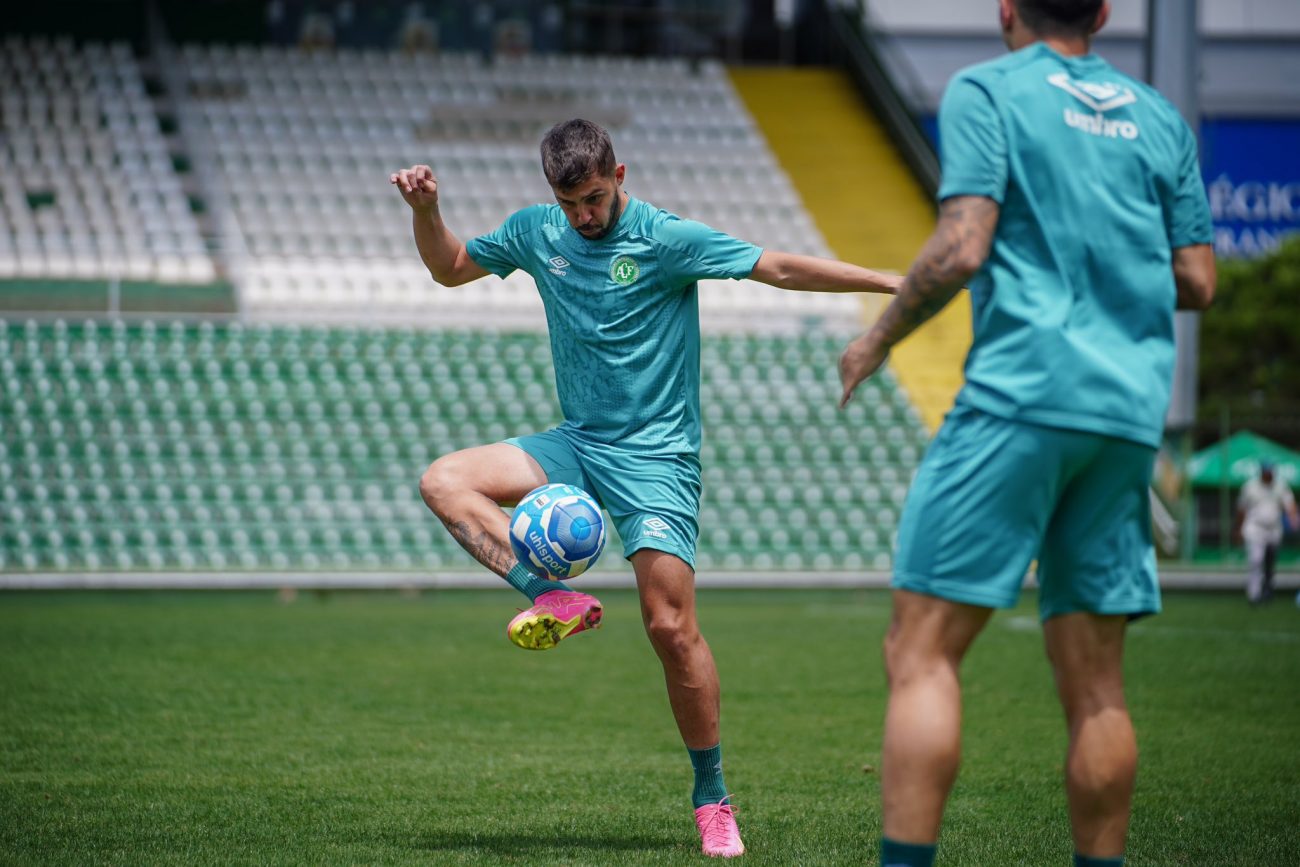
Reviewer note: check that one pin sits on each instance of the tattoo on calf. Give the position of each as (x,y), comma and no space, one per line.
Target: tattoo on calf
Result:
(482,547)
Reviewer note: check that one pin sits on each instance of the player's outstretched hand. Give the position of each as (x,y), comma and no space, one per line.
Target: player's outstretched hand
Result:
(861,358)
(418,186)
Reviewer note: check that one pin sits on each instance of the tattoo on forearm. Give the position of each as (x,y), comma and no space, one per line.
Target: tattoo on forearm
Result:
(965,229)
(482,547)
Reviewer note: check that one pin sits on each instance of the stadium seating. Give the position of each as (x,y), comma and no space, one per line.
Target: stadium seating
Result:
(166,445)
(304,142)
(87,185)
(294,441)
(294,149)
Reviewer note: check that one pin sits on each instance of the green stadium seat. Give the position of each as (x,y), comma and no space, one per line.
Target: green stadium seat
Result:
(180,446)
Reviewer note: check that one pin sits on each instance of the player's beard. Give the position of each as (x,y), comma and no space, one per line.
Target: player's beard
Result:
(614,211)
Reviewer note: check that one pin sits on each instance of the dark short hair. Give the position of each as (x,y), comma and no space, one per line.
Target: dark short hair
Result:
(1059,17)
(574,151)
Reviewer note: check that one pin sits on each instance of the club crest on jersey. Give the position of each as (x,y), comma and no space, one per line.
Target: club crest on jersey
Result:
(624,270)
(558,264)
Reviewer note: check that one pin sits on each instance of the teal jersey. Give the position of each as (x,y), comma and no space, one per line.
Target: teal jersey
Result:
(1097,178)
(623,314)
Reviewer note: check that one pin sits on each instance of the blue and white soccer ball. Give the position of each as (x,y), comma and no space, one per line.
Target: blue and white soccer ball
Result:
(557,531)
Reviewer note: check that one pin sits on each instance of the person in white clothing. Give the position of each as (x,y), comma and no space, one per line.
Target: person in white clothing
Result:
(1265,509)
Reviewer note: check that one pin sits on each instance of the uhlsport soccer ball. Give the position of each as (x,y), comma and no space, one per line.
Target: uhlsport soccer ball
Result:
(557,531)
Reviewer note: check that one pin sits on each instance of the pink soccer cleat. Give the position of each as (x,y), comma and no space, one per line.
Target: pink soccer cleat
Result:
(718,832)
(555,615)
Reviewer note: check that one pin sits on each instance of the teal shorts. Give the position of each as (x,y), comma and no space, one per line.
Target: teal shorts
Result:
(992,495)
(654,500)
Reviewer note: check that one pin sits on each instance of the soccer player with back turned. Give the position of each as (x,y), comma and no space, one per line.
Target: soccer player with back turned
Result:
(1072,205)
(618,280)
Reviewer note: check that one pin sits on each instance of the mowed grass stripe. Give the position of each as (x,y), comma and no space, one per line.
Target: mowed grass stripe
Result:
(151,728)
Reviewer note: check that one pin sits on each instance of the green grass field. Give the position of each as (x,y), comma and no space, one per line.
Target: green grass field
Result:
(212,728)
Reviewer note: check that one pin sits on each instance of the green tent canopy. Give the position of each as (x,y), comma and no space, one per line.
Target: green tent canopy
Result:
(1236,460)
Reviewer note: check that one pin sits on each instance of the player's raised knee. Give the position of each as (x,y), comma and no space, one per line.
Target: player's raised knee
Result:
(439,482)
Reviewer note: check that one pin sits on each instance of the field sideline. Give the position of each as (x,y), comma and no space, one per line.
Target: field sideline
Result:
(380,728)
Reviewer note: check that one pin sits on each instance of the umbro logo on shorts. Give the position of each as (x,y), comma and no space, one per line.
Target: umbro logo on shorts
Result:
(655,527)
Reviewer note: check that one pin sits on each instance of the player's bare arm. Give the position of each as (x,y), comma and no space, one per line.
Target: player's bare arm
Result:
(441,251)
(813,274)
(952,255)
(1195,276)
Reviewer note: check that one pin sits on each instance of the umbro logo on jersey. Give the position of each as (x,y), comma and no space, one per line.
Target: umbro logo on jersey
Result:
(1101,97)
(558,264)
(656,527)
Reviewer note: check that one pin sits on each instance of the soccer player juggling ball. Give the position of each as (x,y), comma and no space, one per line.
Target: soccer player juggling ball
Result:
(618,279)
(1073,207)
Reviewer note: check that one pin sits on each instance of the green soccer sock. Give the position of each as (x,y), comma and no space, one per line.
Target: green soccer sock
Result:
(529,584)
(895,854)
(709,787)
(1085,861)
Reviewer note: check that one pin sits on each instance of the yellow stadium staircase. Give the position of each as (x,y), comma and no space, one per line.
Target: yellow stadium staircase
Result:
(866,204)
